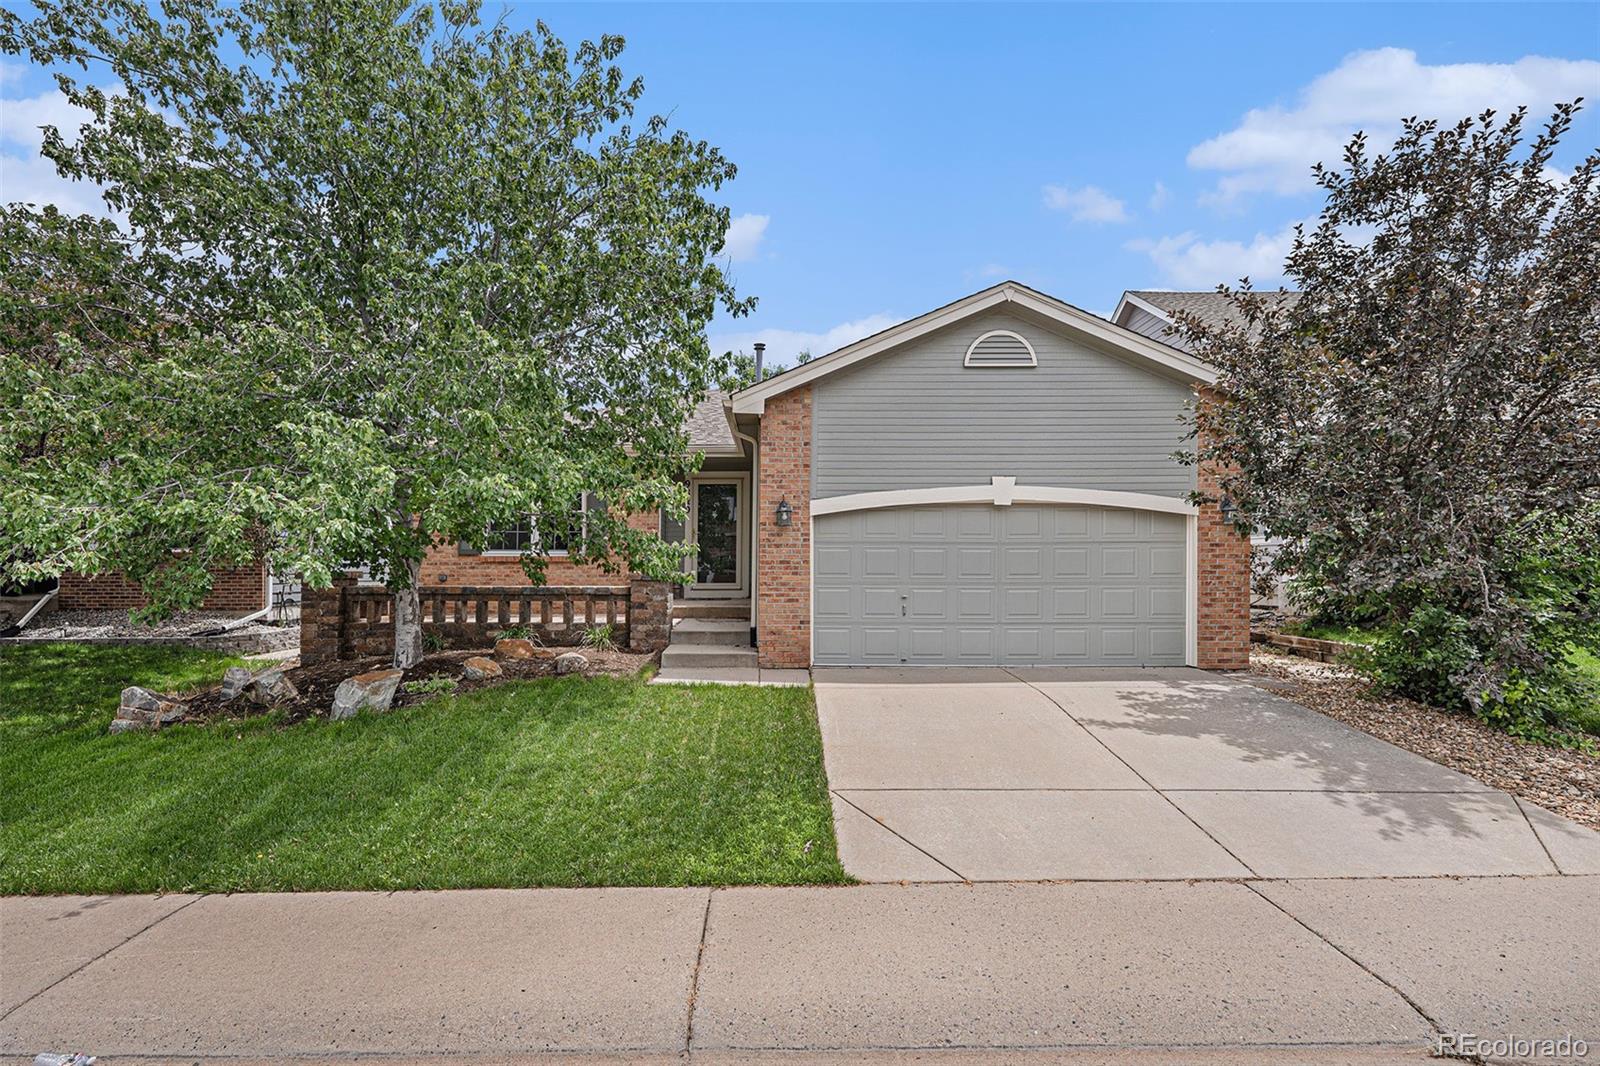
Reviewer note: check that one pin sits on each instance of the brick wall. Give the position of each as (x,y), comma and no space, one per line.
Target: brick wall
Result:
(784,615)
(240,590)
(445,565)
(1222,615)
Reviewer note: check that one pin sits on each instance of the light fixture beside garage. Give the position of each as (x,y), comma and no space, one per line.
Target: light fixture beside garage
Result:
(785,513)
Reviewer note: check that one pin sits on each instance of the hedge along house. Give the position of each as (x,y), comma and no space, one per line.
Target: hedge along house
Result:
(991,483)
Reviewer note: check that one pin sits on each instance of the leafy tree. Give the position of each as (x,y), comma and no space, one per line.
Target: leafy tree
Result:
(1422,425)
(412,277)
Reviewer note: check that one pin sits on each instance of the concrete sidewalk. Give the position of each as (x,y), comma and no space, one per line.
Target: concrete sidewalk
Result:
(1322,971)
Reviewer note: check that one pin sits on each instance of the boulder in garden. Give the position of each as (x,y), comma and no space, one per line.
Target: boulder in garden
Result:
(513,648)
(234,681)
(371,691)
(139,708)
(479,668)
(571,663)
(271,686)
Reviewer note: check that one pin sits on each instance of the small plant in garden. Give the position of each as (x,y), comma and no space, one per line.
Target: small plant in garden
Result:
(432,641)
(437,685)
(600,638)
(517,632)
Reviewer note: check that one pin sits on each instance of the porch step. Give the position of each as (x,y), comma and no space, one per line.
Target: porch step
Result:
(711,609)
(721,632)
(689,657)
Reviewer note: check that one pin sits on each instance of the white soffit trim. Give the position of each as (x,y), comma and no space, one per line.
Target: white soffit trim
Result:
(1139,348)
(1130,300)
(1001,492)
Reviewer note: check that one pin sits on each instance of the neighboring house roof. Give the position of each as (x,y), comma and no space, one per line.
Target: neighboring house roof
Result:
(1210,308)
(1011,295)
(711,426)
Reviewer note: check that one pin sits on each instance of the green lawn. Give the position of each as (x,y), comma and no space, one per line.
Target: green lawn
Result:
(554,782)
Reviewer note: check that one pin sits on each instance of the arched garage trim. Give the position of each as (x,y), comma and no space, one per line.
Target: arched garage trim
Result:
(1003,492)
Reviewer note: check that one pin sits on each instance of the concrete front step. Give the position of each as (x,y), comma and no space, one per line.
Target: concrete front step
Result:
(703,656)
(722,632)
(727,609)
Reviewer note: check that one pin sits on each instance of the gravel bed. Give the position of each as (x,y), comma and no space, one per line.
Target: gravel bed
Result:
(1566,782)
(99,625)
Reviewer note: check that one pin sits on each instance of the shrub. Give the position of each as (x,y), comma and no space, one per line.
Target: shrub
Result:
(516,632)
(432,641)
(437,685)
(600,638)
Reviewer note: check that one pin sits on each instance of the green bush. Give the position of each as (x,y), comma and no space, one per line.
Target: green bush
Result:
(1449,651)
(600,638)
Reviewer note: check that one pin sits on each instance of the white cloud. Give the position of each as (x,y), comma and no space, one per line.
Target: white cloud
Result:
(744,237)
(1187,261)
(1159,197)
(784,344)
(25,175)
(1273,148)
(1088,204)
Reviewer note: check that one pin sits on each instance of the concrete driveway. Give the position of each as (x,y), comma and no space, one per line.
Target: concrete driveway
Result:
(1032,775)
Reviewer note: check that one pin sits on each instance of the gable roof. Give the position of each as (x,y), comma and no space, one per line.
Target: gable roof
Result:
(1211,308)
(1134,347)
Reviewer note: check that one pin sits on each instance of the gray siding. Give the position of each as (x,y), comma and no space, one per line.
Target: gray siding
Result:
(917,418)
(1142,321)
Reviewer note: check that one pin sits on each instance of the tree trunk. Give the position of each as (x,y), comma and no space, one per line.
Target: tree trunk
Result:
(408,619)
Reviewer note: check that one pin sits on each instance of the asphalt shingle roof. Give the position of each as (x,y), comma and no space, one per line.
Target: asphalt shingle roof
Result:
(1211,308)
(708,425)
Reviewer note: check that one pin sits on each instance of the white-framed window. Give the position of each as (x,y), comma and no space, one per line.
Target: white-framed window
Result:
(1001,348)
(556,538)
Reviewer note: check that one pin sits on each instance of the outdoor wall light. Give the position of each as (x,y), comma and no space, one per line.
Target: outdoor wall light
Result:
(1230,511)
(785,513)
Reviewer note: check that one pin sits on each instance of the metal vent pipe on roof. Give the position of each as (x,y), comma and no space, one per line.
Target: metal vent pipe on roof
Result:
(761,349)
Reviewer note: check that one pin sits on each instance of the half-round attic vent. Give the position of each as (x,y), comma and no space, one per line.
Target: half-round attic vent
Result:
(1001,347)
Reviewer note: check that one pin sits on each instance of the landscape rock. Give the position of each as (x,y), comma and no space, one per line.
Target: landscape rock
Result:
(127,725)
(513,648)
(479,668)
(271,686)
(234,681)
(371,691)
(571,663)
(146,707)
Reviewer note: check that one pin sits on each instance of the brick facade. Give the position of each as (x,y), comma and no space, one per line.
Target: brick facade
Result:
(1222,607)
(446,565)
(239,590)
(783,615)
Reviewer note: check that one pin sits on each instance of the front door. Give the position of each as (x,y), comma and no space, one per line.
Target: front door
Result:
(717,518)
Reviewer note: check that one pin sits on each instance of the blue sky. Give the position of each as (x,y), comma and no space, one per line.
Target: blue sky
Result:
(892,158)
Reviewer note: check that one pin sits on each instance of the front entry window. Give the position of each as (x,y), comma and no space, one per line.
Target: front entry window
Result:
(717,532)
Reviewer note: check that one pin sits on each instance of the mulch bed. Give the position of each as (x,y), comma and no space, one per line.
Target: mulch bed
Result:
(1566,782)
(316,684)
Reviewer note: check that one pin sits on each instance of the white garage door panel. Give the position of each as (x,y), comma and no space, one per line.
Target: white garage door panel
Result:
(979,584)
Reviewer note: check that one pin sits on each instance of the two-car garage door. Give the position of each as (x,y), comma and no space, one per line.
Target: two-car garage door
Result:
(981,584)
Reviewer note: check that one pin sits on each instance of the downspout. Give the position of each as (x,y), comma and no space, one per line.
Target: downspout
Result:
(266,597)
(11,631)
(755,530)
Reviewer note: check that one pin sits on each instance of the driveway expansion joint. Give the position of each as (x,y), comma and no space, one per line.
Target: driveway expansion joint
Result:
(1132,769)
(1433,1023)
(694,975)
(891,830)
(90,962)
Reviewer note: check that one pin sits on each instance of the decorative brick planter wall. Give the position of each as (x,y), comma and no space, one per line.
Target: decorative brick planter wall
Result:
(352,621)
(784,615)
(239,590)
